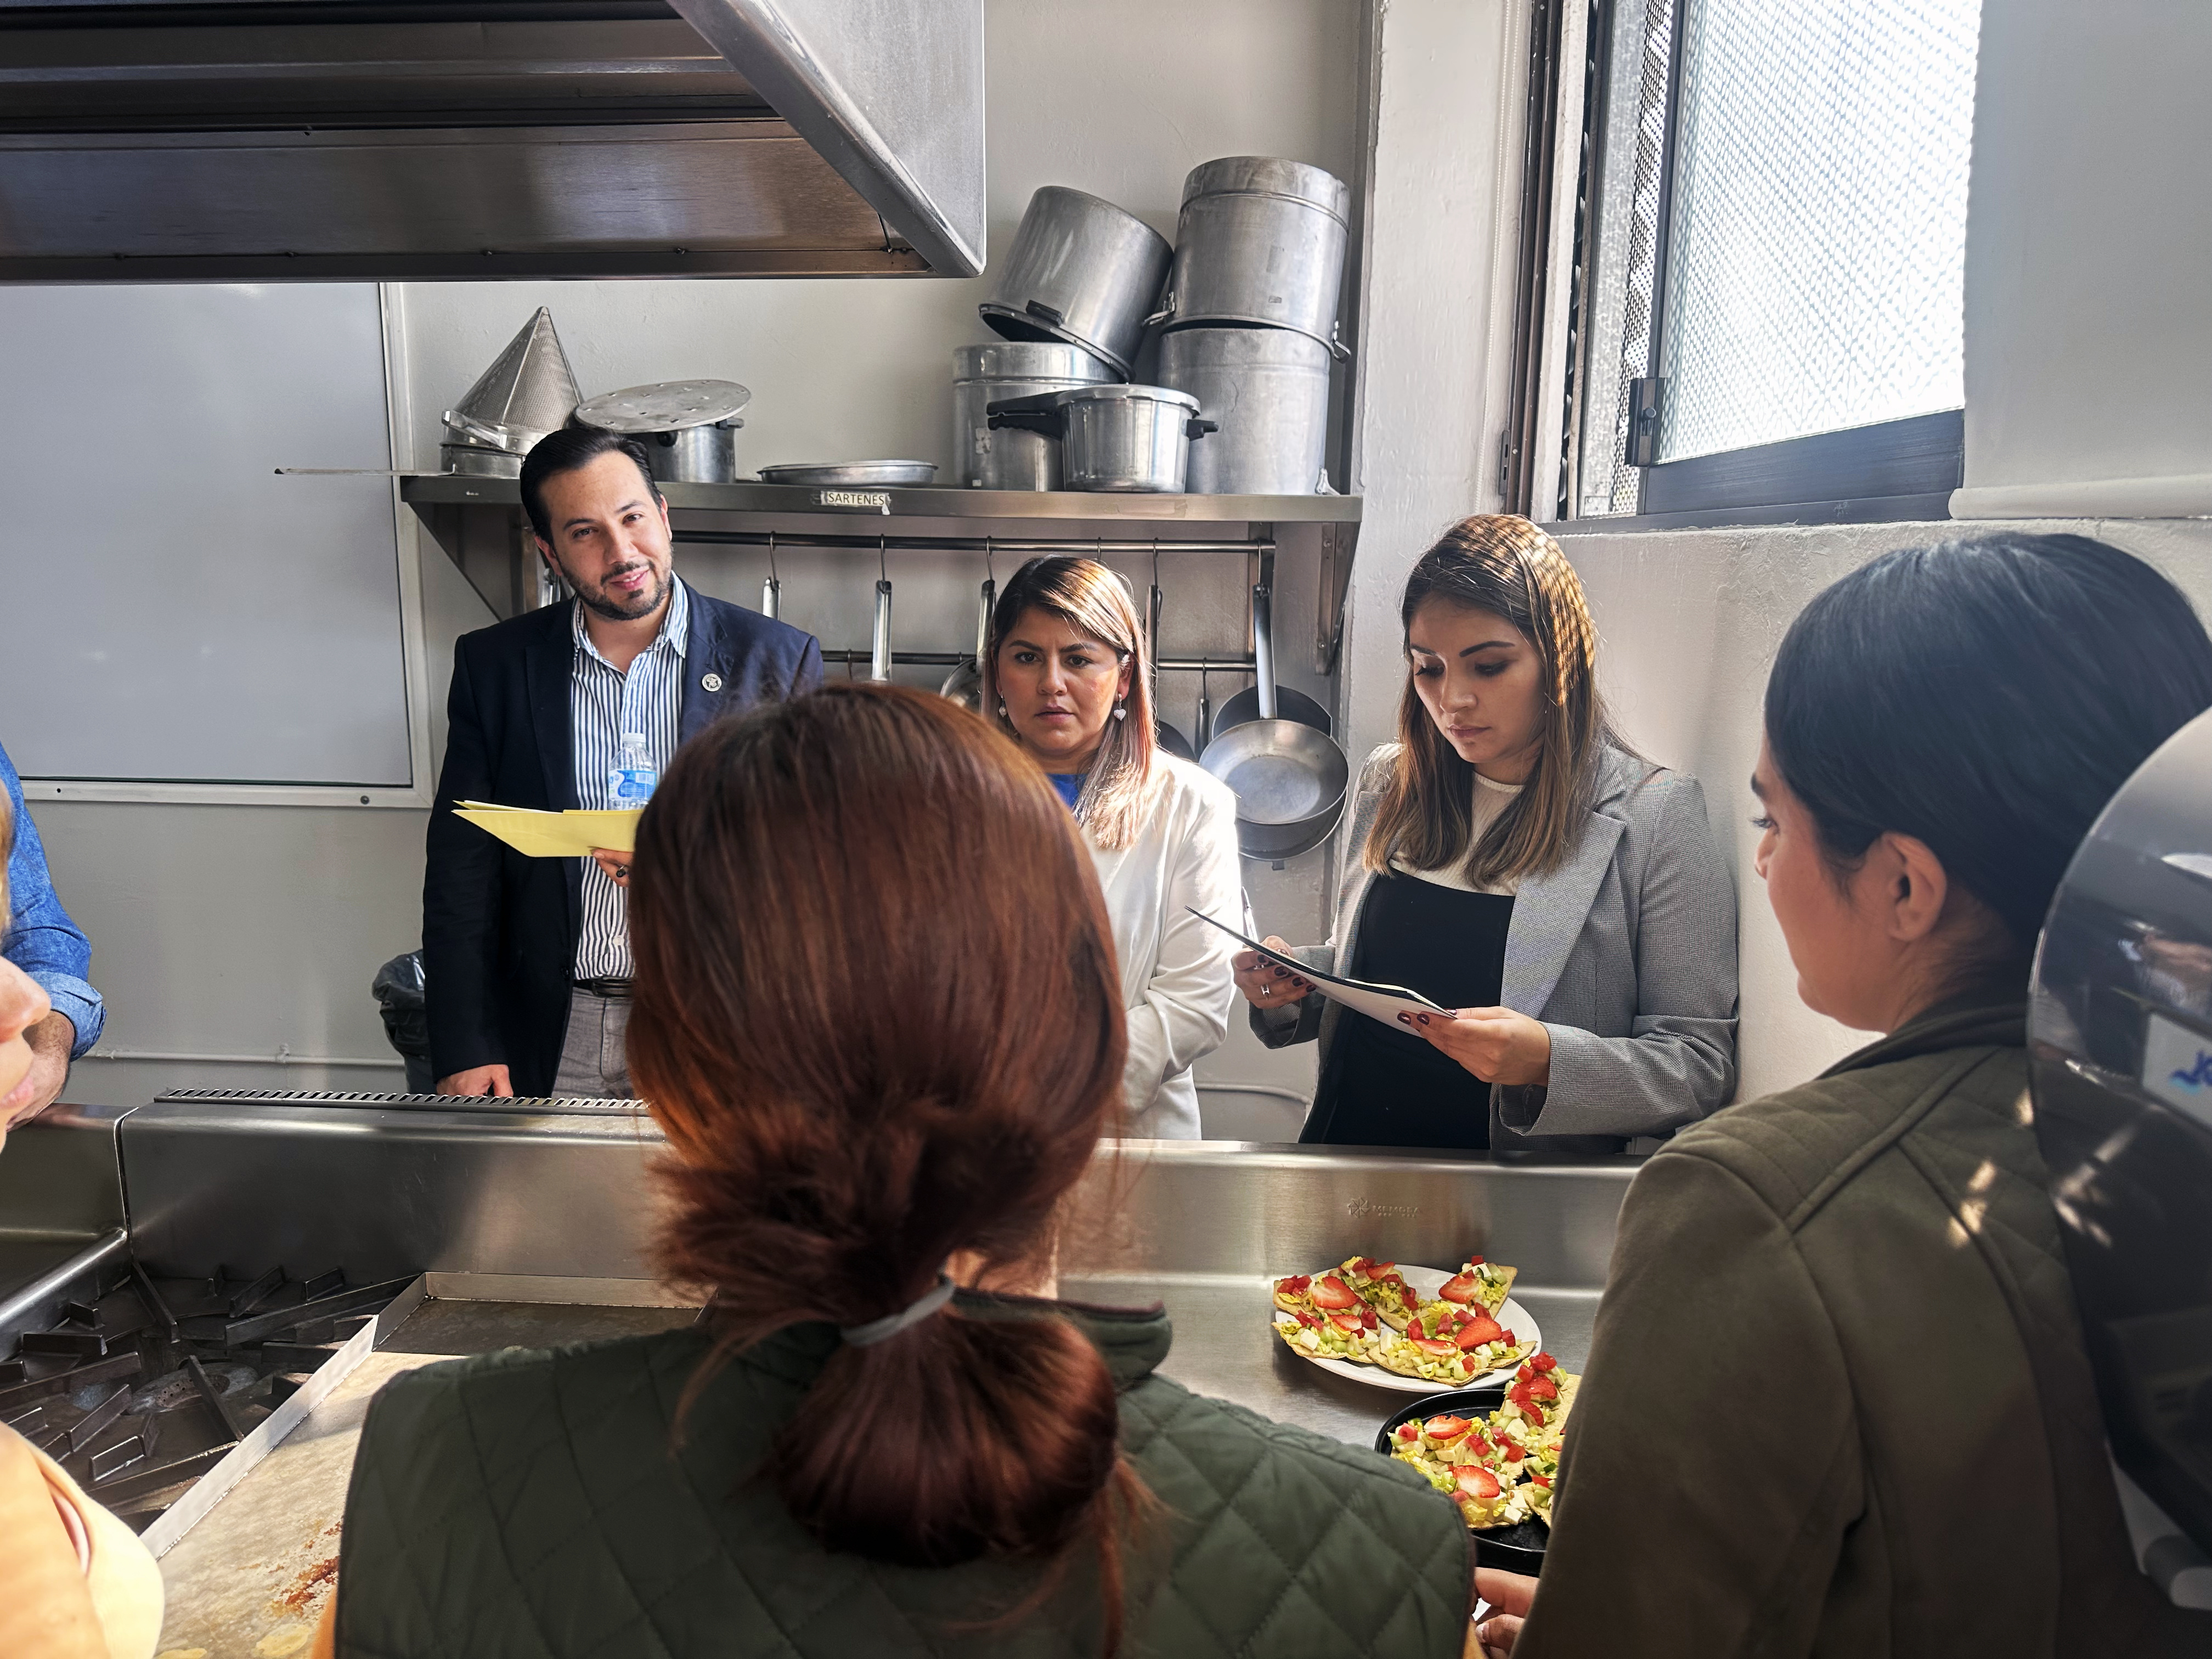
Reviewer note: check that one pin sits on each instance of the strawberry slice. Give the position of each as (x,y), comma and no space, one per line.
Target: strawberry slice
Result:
(1448,1428)
(1367,1318)
(1540,1481)
(1294,1285)
(1479,1331)
(1544,1362)
(1459,1289)
(1479,1483)
(1332,1294)
(1409,1431)
(1348,1323)
(1433,1346)
(1543,1389)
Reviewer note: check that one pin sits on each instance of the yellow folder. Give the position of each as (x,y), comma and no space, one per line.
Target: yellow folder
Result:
(571,835)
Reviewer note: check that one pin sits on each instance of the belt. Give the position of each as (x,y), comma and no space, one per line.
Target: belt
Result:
(615,988)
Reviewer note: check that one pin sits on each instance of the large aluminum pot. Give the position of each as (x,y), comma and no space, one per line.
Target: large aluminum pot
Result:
(1080,270)
(1268,388)
(479,463)
(1012,459)
(694,454)
(1120,438)
(1260,240)
(688,427)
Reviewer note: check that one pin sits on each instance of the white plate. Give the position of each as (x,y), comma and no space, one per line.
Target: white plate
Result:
(1427,1282)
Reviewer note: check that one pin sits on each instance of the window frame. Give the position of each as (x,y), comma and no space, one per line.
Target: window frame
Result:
(1897,470)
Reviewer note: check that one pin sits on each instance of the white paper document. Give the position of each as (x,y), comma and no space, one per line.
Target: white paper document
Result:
(1382,1002)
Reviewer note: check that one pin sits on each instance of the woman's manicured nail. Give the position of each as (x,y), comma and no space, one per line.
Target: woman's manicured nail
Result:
(1425,1020)
(1282,973)
(1405,1019)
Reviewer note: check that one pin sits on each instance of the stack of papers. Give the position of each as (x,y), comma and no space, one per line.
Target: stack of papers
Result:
(570,835)
(1382,1002)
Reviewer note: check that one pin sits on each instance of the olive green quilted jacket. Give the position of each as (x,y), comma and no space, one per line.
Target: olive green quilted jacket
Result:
(1837,1401)
(531,1505)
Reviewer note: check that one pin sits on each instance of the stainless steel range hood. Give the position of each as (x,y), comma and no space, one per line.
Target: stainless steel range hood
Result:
(354,140)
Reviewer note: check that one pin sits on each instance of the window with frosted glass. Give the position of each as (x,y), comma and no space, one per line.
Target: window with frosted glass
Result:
(1817,239)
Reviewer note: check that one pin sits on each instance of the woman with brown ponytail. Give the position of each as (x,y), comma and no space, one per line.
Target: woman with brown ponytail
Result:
(1518,865)
(880,1023)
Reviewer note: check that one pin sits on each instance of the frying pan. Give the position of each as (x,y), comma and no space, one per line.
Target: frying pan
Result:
(1290,704)
(1289,777)
(964,684)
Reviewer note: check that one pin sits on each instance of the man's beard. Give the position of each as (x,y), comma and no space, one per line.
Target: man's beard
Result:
(597,602)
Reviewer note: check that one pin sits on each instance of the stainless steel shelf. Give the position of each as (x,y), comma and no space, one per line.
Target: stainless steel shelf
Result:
(479,524)
(461,489)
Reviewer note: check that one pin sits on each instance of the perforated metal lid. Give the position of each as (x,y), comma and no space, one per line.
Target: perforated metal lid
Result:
(665,406)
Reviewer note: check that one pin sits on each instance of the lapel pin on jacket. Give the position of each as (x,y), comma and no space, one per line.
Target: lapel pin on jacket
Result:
(710,682)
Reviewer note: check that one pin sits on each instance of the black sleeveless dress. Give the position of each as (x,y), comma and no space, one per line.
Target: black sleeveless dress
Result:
(1388,1087)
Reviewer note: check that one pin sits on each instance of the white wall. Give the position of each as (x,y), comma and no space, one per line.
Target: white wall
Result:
(245,930)
(2089,233)
(1121,101)
(1689,622)
(1437,336)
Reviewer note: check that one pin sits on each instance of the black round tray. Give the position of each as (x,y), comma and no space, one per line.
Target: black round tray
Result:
(1517,1548)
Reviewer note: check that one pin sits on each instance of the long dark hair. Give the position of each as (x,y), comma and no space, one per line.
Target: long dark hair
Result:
(1503,564)
(878,1018)
(1986,696)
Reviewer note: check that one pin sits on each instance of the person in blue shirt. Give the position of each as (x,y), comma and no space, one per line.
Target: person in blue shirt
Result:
(53,952)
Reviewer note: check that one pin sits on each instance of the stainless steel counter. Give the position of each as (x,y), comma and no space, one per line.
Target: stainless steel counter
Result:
(562,1203)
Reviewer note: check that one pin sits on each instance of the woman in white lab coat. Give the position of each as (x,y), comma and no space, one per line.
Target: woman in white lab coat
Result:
(1066,677)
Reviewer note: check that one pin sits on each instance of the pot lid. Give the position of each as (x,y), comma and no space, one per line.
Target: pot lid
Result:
(665,406)
(529,388)
(1270,175)
(1158,394)
(1029,360)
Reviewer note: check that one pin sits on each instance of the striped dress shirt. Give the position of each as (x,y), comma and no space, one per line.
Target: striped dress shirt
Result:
(603,703)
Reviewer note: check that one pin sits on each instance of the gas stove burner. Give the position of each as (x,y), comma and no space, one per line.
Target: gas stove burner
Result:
(142,1390)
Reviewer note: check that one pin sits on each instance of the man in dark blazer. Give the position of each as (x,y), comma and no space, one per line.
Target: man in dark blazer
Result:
(525,961)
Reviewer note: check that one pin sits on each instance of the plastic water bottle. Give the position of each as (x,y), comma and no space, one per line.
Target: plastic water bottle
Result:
(631,784)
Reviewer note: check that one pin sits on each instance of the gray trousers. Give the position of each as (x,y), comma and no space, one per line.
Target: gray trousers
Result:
(593,1064)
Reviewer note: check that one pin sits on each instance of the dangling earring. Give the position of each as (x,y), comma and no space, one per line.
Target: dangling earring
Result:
(1002,711)
(1120,713)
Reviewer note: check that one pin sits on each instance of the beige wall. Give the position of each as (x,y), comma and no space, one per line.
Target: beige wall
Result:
(1689,622)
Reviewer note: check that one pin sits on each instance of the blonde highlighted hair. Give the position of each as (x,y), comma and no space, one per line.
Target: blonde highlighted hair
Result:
(1091,599)
(1503,564)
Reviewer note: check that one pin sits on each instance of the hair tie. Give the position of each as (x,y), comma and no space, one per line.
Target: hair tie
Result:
(881,1330)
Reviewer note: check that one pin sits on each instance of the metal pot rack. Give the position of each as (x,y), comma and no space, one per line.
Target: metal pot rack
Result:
(478,523)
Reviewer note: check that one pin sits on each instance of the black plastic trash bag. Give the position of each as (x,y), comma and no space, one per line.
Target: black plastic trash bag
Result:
(398,988)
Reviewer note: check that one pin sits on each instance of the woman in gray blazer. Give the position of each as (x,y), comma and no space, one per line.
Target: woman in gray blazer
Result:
(1516,862)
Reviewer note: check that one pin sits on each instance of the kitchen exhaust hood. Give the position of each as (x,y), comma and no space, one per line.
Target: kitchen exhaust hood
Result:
(361,140)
